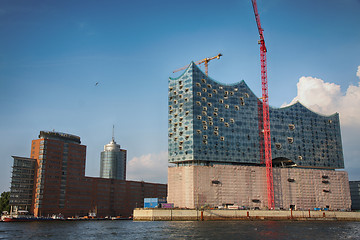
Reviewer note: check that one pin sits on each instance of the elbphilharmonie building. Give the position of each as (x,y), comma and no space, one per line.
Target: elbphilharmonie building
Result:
(216,146)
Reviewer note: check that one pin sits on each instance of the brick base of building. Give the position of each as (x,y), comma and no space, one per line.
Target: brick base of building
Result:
(245,186)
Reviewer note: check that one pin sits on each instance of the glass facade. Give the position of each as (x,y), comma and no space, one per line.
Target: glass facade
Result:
(210,122)
(22,182)
(113,162)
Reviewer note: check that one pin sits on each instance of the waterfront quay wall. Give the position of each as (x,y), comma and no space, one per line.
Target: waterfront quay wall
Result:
(140,214)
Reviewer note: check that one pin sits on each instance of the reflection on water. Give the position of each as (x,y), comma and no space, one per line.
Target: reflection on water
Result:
(181,230)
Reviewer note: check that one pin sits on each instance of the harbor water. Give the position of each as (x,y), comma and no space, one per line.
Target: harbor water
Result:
(180,230)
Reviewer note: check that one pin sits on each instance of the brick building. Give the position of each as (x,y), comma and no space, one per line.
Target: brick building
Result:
(61,187)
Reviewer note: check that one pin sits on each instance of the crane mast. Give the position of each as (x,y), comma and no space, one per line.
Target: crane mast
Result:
(265,111)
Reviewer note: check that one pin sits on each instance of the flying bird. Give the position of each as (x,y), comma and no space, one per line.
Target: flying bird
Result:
(97,83)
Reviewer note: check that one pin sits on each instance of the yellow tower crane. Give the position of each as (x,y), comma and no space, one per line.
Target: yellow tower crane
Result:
(205,61)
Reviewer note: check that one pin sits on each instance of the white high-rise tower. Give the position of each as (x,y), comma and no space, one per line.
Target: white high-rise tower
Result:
(113,161)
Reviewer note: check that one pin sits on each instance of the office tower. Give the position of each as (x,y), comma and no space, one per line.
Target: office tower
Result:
(60,160)
(22,184)
(113,161)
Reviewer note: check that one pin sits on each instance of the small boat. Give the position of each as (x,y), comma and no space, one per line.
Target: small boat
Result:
(23,216)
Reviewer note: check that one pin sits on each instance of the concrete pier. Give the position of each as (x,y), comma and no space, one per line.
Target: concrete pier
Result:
(216,214)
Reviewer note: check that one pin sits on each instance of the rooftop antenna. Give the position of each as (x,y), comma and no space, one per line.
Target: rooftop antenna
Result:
(113,134)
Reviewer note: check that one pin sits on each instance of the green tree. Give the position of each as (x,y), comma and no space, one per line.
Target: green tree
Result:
(4,202)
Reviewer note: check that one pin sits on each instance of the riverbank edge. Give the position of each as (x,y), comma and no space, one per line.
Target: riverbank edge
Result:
(141,214)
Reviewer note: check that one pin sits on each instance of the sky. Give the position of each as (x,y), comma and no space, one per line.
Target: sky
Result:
(52,54)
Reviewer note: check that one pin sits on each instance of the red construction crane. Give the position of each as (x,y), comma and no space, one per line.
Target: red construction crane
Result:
(265,107)
(205,61)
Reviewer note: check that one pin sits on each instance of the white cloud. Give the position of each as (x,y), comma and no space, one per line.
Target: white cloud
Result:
(327,98)
(150,168)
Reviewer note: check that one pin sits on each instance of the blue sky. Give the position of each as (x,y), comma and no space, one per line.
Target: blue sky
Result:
(53,52)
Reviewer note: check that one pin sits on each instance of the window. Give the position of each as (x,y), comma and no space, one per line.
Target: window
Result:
(232,120)
(198,103)
(205,137)
(209,104)
(222,119)
(204,90)
(215,91)
(203,80)
(246,95)
(221,101)
(227,106)
(198,117)
(216,109)
(209,95)
(198,93)
(205,127)
(203,99)
(226,124)
(186,89)
(300,157)
(204,113)
(222,138)
(204,108)
(198,131)
(216,133)
(237,107)
(278,146)
(290,140)
(291,127)
(198,84)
